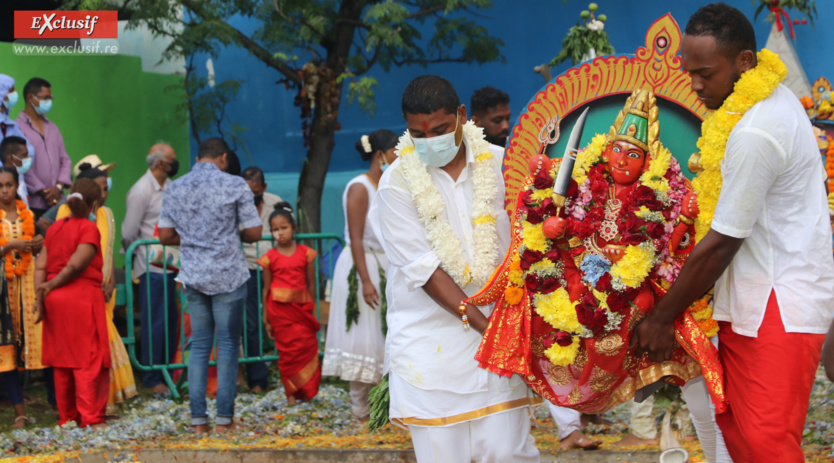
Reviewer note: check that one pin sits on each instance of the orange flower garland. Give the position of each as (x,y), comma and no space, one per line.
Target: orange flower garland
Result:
(28,233)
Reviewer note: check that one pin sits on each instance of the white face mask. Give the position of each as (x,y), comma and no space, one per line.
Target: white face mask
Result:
(438,151)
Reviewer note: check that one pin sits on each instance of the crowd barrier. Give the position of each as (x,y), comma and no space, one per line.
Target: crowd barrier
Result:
(326,246)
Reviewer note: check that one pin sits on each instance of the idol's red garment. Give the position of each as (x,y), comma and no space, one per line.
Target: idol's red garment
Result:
(294,325)
(75,340)
(768,381)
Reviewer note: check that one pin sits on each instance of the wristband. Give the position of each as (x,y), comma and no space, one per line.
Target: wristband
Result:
(462,309)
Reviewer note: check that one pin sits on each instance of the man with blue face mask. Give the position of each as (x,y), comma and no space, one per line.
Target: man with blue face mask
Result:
(50,172)
(440,215)
(9,128)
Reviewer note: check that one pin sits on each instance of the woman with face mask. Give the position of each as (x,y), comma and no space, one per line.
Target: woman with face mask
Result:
(355,332)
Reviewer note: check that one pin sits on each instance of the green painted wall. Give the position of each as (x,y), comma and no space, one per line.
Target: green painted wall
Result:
(108,106)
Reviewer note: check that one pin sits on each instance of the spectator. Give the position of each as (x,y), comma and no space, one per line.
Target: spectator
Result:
(69,300)
(9,128)
(355,347)
(16,247)
(50,172)
(264,202)
(88,162)
(122,383)
(156,288)
(14,152)
(491,111)
(289,318)
(202,213)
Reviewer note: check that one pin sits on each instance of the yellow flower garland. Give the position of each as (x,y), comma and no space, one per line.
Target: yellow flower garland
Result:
(557,309)
(563,356)
(754,86)
(634,266)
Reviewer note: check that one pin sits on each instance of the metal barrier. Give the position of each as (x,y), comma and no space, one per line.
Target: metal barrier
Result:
(313,240)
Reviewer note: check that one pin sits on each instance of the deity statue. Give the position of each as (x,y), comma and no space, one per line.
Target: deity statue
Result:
(578,277)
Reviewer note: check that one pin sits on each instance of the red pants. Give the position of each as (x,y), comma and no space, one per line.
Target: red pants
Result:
(768,381)
(82,394)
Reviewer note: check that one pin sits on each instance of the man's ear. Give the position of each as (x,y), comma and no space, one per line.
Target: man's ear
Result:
(746,60)
(462,114)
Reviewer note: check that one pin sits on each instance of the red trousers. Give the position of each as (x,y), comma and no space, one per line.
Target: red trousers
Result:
(82,394)
(768,381)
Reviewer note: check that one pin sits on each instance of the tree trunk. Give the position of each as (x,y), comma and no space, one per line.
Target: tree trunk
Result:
(324,123)
(314,171)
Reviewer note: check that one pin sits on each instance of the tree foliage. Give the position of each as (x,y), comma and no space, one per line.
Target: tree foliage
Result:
(315,46)
(585,40)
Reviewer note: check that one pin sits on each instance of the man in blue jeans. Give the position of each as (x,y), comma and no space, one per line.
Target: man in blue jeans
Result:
(203,213)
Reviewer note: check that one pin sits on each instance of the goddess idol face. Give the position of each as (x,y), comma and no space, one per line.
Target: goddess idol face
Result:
(625,162)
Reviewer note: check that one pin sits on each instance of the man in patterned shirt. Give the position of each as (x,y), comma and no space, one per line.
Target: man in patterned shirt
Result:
(203,213)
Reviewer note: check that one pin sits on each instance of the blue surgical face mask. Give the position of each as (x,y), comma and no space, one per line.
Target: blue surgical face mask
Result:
(109,183)
(25,164)
(12,101)
(438,151)
(43,106)
(382,164)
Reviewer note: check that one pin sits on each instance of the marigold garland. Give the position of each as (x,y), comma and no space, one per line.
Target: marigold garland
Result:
(18,266)
(754,86)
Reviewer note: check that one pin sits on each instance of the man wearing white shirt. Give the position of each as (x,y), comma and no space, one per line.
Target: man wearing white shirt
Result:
(439,212)
(769,248)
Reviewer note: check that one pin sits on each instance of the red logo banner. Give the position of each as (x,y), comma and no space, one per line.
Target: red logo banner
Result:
(66,25)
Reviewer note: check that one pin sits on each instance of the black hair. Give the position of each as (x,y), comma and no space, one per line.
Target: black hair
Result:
(7,144)
(253,174)
(427,94)
(381,140)
(486,98)
(233,167)
(731,30)
(86,170)
(90,193)
(284,209)
(35,85)
(212,148)
(12,170)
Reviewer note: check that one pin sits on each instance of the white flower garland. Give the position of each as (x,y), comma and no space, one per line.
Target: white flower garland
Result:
(431,210)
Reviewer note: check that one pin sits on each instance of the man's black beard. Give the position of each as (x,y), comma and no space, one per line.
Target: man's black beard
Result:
(500,141)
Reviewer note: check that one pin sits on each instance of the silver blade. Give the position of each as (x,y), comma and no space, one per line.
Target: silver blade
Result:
(576,133)
(560,186)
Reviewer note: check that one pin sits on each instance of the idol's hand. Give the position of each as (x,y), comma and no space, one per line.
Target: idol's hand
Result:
(689,208)
(654,337)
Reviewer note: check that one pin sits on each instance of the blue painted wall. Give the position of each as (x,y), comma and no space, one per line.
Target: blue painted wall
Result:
(532,32)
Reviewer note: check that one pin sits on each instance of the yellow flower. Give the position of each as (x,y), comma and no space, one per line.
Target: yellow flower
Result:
(754,86)
(534,237)
(557,309)
(642,212)
(541,195)
(634,266)
(513,295)
(563,356)
(516,275)
(588,157)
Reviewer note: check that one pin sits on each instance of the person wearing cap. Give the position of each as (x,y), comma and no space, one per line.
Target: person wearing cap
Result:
(50,172)
(91,161)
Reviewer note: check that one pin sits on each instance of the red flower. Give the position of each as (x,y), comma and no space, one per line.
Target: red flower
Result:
(563,338)
(532,256)
(550,285)
(598,321)
(534,216)
(543,180)
(553,255)
(573,188)
(617,302)
(604,283)
(532,282)
(528,198)
(655,230)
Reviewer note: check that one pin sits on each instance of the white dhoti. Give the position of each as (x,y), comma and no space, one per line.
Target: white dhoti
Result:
(567,420)
(497,438)
(702,411)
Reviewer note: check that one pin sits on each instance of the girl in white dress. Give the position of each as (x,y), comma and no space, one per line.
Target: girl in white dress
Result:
(355,344)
